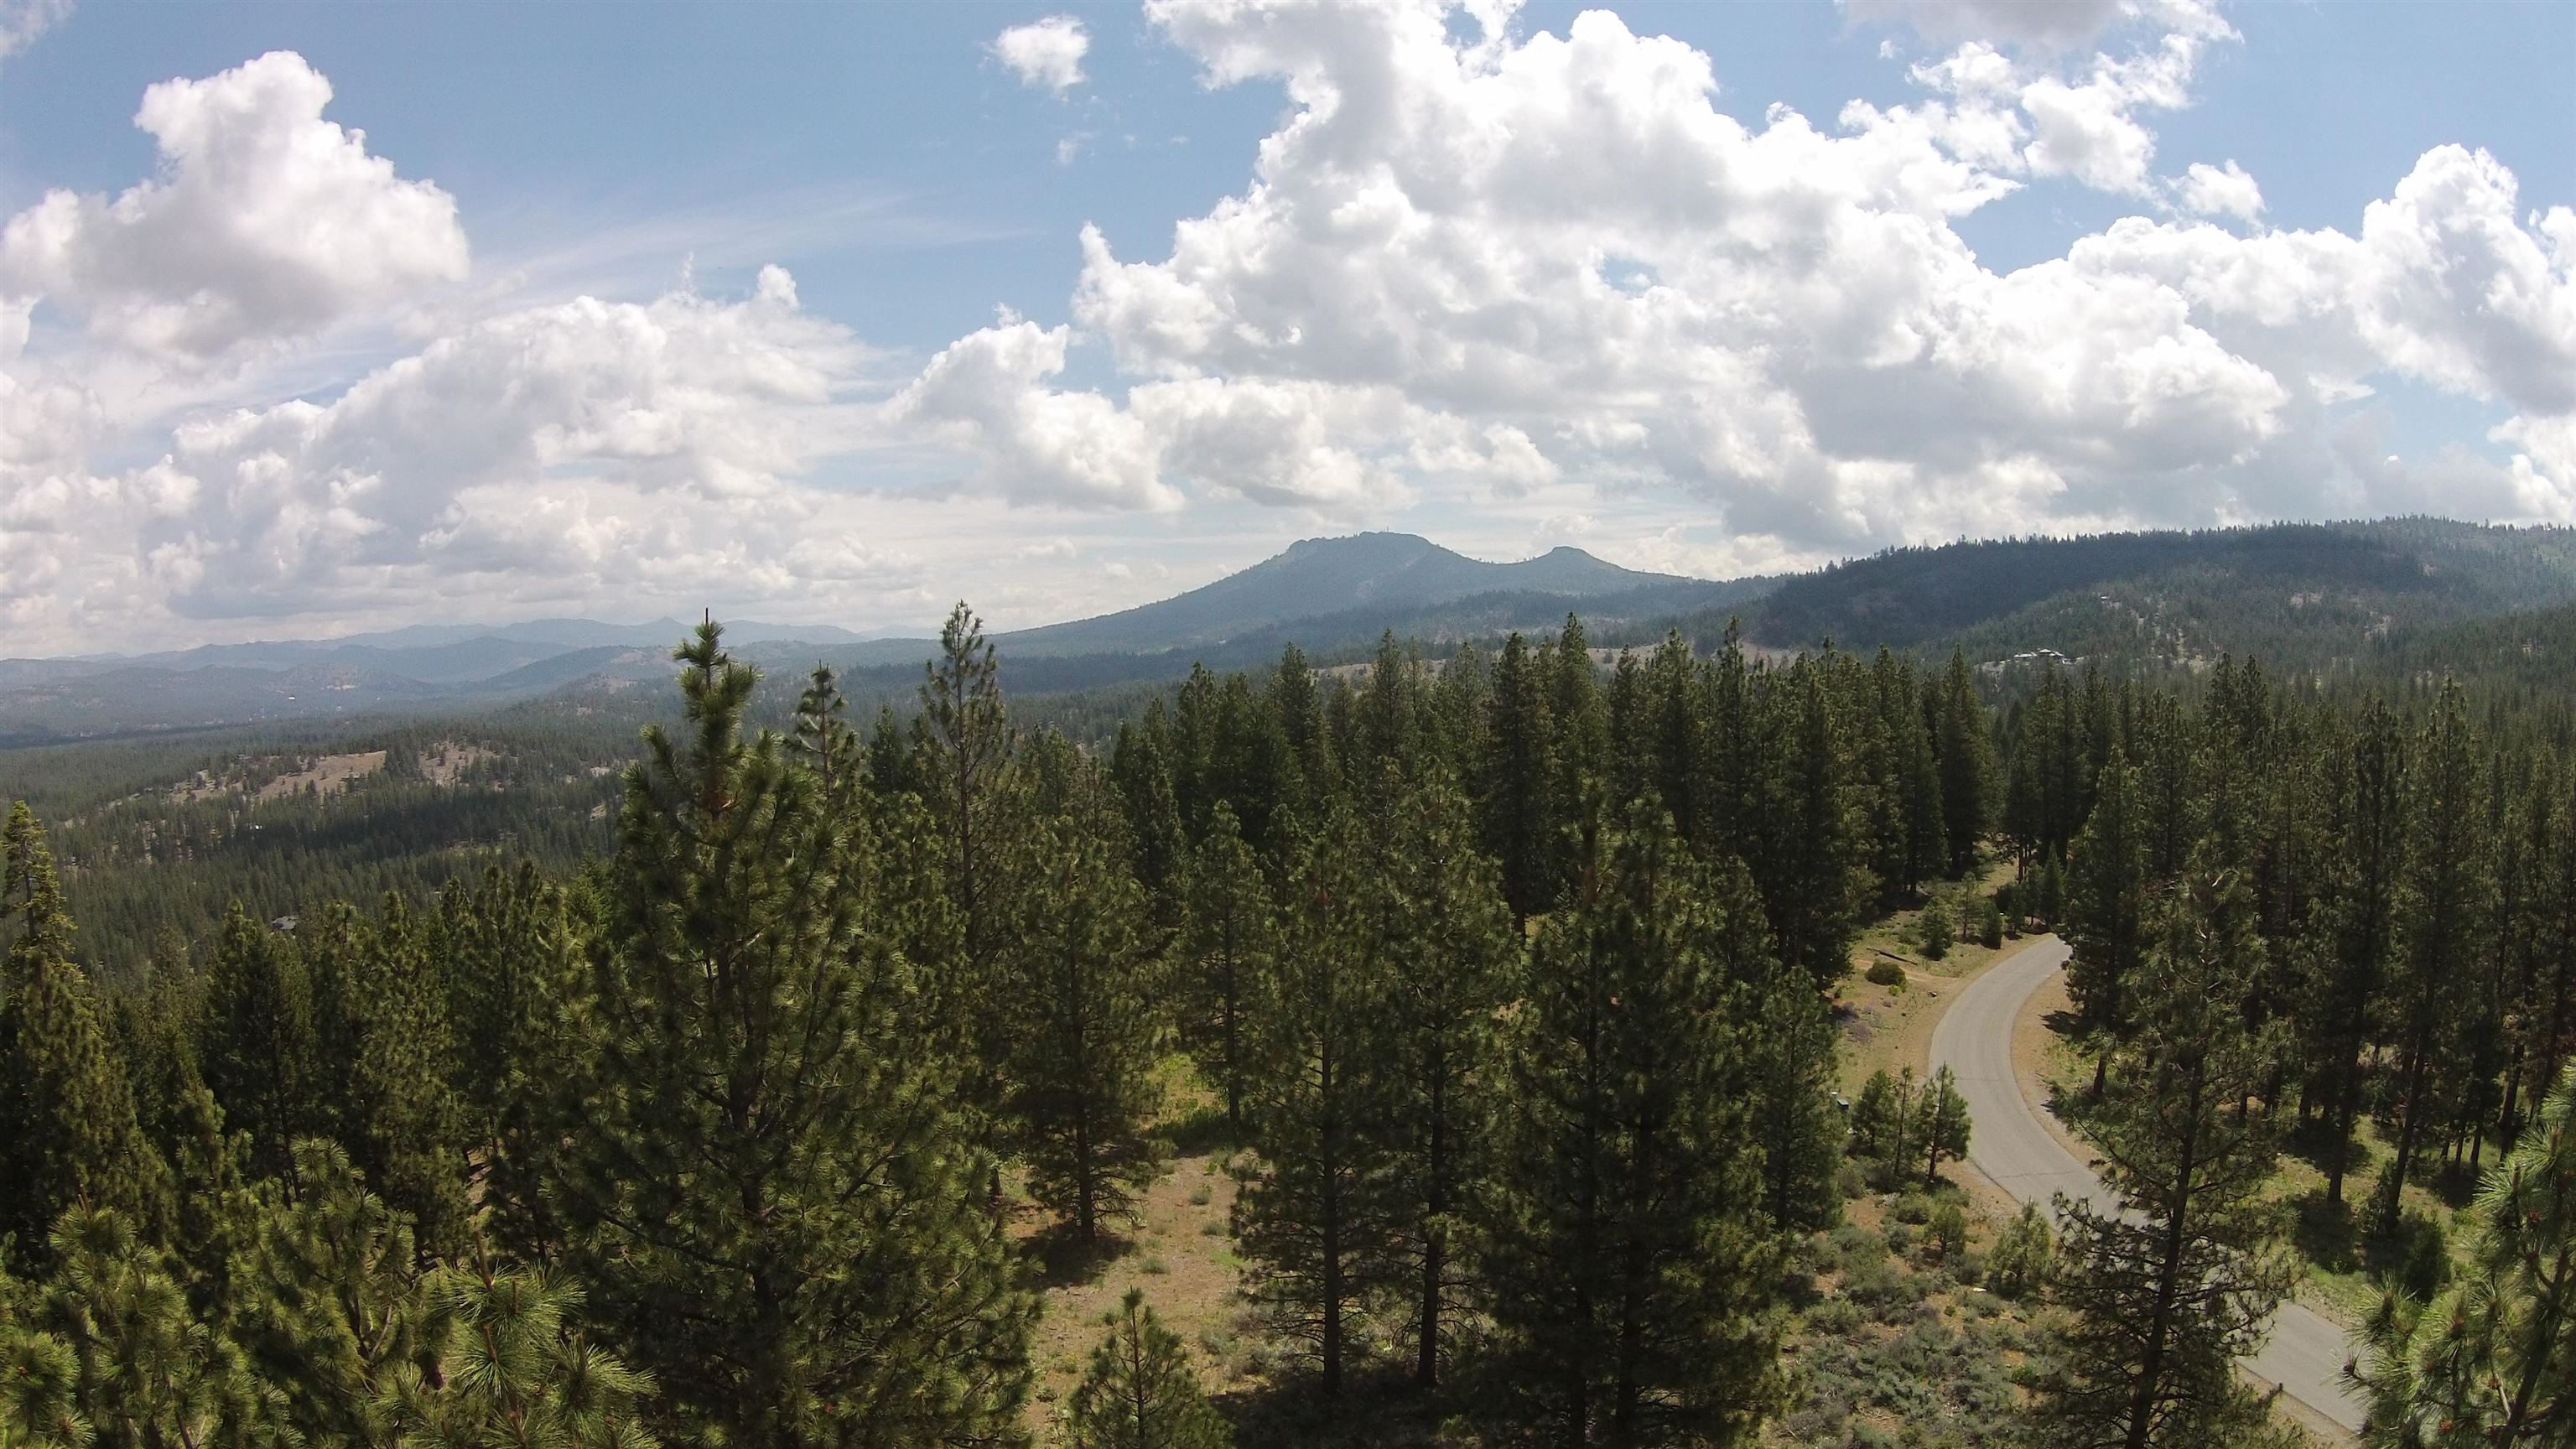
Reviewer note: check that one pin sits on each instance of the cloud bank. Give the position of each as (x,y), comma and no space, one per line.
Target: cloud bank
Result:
(1534,280)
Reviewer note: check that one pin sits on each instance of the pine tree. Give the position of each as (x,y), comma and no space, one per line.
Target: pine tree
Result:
(1910,846)
(1316,1211)
(1228,947)
(1251,767)
(324,1295)
(1139,1392)
(1448,947)
(68,1130)
(2018,1262)
(1810,860)
(512,1369)
(2106,909)
(256,1043)
(2554,1011)
(1878,1120)
(968,763)
(1627,1250)
(2491,1360)
(2442,914)
(1298,705)
(2165,1294)
(407,1126)
(1676,741)
(1945,1124)
(831,749)
(1084,1033)
(39,1384)
(146,1372)
(1159,847)
(1578,745)
(1792,1051)
(1966,762)
(775,1200)
(514,973)
(1936,927)
(1895,1124)
(1514,780)
(1737,741)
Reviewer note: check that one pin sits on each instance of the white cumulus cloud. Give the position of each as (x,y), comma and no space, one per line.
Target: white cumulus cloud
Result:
(266,221)
(1045,53)
(987,394)
(2227,190)
(583,441)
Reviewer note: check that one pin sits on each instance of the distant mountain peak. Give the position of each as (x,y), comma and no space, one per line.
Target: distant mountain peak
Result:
(1316,577)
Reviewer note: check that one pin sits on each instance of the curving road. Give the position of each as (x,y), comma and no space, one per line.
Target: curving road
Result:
(2011,1145)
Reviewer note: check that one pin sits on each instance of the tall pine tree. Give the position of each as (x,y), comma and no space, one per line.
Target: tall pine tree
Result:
(1626,1249)
(775,1200)
(2164,1294)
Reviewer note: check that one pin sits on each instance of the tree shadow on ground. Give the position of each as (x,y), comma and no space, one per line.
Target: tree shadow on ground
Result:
(2312,1142)
(2328,1235)
(1063,1258)
(2414,1258)
(1379,1408)
(2456,1183)
(1201,1130)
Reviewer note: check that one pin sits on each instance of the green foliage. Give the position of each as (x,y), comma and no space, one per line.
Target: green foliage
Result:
(1139,1392)
(68,1130)
(1085,1036)
(1229,945)
(1318,1214)
(1629,1261)
(2443,910)
(1446,942)
(771,1195)
(512,1368)
(1792,1051)
(732,1104)
(143,1370)
(2164,1295)
(256,1041)
(1944,1129)
(1936,929)
(2018,1262)
(2492,1358)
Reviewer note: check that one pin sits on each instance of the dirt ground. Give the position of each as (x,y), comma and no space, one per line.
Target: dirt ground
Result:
(1177,1252)
(446,761)
(327,775)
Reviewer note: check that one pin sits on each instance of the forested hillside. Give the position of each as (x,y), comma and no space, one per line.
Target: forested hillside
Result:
(2300,595)
(1511,990)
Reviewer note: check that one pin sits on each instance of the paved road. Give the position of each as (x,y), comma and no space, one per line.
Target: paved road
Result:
(2010,1144)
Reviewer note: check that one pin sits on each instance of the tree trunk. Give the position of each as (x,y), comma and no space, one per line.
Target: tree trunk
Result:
(2142,1406)
(2406,1135)
(1426,1365)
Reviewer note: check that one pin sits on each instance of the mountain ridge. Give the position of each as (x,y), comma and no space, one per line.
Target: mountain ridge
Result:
(1317,576)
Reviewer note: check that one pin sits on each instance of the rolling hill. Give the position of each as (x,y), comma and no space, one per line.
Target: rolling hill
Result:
(1325,594)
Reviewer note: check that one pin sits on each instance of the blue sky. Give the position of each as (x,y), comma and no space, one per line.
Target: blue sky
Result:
(2101,263)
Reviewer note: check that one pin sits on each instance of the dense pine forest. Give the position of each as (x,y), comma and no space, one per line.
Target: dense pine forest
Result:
(1509,992)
